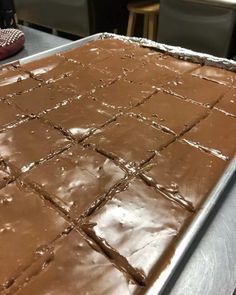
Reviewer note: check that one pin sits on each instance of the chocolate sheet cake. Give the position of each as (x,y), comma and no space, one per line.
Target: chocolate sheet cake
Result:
(107,153)
(14,81)
(227,104)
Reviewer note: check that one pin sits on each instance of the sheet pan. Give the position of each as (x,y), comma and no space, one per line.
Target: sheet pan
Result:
(217,193)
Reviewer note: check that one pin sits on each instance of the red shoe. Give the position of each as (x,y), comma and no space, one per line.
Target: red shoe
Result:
(11,41)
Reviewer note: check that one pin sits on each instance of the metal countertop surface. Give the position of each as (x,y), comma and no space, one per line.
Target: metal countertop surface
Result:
(210,266)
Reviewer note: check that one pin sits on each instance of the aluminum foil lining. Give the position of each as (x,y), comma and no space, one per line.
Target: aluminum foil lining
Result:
(179,52)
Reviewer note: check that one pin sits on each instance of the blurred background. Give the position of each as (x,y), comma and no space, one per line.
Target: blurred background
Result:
(206,26)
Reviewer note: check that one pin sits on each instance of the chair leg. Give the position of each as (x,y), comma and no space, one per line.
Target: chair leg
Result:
(152,26)
(145,26)
(156,27)
(131,24)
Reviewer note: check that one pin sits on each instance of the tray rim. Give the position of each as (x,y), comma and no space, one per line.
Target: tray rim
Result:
(176,51)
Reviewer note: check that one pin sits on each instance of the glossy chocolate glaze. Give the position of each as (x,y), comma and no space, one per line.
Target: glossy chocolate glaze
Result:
(5,176)
(173,172)
(42,99)
(5,68)
(144,54)
(50,68)
(196,89)
(111,45)
(86,55)
(220,76)
(86,80)
(76,178)
(77,269)
(175,64)
(122,139)
(97,110)
(216,134)
(9,114)
(153,75)
(169,112)
(13,81)
(140,224)
(80,117)
(95,51)
(123,94)
(30,143)
(119,64)
(228,103)
(27,226)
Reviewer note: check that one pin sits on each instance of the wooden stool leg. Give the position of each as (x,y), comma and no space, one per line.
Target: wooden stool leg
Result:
(131,24)
(145,26)
(152,26)
(155,27)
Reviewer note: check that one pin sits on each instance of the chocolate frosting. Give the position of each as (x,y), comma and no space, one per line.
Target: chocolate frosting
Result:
(215,134)
(87,80)
(97,50)
(173,172)
(50,68)
(76,179)
(87,55)
(153,75)
(220,76)
(111,45)
(140,224)
(27,226)
(180,117)
(14,81)
(77,269)
(175,64)
(81,116)
(9,114)
(122,139)
(119,64)
(196,89)
(5,176)
(29,143)
(42,99)
(228,103)
(123,94)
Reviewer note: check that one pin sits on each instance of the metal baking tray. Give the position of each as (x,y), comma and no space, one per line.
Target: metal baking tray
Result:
(214,197)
